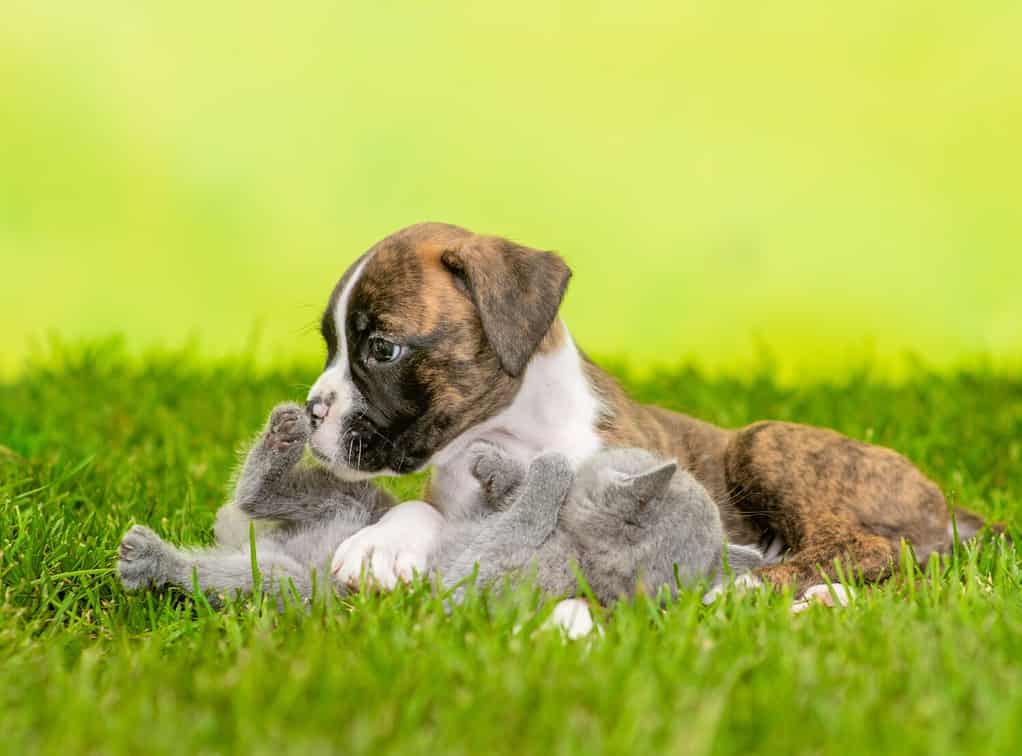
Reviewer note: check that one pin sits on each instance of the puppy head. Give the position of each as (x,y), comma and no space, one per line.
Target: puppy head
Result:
(428,334)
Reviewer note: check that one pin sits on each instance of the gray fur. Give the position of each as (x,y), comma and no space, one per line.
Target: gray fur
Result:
(304,514)
(511,536)
(630,521)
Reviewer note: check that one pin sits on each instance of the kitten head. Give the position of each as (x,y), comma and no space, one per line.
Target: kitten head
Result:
(616,490)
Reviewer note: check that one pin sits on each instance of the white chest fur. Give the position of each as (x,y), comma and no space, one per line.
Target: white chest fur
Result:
(555,410)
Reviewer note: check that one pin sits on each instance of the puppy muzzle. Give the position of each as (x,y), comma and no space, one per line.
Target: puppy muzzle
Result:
(318,407)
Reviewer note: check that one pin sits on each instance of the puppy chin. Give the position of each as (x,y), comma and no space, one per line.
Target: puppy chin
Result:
(326,448)
(351,475)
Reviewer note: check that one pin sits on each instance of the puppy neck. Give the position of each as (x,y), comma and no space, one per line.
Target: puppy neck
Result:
(556,409)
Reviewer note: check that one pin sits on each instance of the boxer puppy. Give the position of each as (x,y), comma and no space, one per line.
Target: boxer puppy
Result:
(438,338)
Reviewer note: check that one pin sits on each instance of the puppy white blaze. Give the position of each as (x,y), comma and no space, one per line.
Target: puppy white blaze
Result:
(335,381)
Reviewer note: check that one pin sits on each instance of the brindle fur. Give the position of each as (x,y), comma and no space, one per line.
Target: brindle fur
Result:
(474,307)
(470,309)
(827,496)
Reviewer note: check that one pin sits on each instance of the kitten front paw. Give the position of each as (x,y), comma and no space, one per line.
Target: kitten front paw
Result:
(286,433)
(546,485)
(143,556)
(288,428)
(498,473)
(551,466)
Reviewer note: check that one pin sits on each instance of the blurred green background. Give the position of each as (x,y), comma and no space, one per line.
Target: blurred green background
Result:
(829,184)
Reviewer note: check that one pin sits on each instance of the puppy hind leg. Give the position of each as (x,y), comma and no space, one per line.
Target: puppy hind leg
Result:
(829,496)
(813,573)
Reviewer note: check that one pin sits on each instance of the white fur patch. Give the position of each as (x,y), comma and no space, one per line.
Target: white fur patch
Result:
(555,410)
(336,381)
(821,594)
(232,526)
(573,617)
(391,550)
(741,584)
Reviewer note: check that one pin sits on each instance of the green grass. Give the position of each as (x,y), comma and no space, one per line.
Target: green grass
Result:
(93,441)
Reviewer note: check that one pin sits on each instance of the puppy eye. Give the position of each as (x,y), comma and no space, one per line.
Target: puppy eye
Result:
(383,351)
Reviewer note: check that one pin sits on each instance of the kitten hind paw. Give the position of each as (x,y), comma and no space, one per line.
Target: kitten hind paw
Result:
(141,558)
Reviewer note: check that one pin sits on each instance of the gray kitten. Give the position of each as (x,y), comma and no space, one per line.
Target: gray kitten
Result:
(304,513)
(630,521)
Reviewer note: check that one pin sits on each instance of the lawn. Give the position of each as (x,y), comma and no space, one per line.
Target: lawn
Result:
(728,182)
(92,440)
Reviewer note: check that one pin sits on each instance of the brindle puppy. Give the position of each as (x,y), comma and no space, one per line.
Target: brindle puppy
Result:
(438,337)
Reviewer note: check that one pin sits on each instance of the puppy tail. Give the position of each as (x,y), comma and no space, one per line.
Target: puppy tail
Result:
(969,525)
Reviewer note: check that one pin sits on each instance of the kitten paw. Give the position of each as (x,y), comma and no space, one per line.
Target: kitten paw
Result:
(140,557)
(546,485)
(551,467)
(498,473)
(390,551)
(288,428)
(821,594)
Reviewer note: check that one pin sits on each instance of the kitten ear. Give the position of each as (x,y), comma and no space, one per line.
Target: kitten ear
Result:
(645,486)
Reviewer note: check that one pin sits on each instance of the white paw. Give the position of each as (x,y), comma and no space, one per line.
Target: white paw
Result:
(573,617)
(821,594)
(739,585)
(391,550)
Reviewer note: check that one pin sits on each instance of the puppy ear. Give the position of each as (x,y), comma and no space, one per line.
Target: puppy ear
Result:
(516,290)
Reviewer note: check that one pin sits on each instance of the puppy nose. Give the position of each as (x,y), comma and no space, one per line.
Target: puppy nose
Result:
(318,408)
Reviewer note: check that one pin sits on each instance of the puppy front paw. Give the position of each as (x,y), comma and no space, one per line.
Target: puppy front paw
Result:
(391,551)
